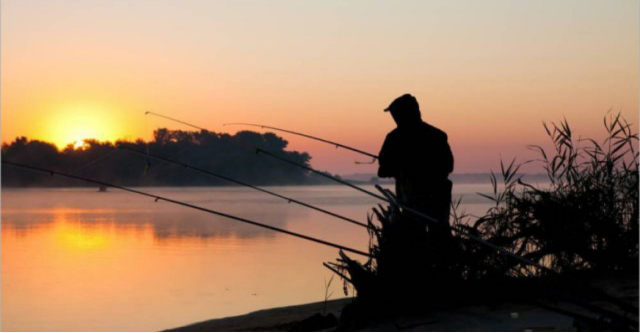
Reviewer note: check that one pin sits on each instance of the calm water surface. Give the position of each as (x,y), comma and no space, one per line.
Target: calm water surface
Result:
(81,260)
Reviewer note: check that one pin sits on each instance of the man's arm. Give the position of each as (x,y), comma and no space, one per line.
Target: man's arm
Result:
(386,161)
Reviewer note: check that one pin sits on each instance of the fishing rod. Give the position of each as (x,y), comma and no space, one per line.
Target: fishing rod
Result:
(176,120)
(337,145)
(181,203)
(385,199)
(217,175)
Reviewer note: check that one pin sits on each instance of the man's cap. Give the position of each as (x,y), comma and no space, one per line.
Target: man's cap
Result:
(405,101)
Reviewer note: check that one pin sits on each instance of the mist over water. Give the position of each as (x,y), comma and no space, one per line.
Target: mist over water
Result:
(79,259)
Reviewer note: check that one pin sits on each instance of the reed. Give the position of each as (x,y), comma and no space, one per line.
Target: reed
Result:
(585,219)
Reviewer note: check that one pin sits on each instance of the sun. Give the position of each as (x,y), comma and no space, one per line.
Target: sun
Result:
(74,125)
(78,144)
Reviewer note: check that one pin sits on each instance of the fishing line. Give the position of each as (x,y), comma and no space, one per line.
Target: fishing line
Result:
(180,203)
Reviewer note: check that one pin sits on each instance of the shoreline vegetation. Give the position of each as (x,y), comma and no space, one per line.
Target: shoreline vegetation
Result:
(231,155)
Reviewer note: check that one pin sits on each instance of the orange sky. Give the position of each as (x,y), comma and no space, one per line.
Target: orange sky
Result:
(487,72)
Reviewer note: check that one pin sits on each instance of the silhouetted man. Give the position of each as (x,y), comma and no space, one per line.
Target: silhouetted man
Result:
(418,156)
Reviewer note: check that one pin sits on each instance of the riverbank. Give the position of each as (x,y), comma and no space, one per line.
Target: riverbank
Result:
(506,317)
(502,317)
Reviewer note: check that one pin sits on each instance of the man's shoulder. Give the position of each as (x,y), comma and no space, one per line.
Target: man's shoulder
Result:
(434,131)
(393,134)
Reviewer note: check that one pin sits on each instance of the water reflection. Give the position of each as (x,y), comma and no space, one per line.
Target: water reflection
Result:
(77,259)
(164,219)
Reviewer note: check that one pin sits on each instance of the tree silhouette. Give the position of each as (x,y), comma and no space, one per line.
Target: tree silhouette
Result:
(230,155)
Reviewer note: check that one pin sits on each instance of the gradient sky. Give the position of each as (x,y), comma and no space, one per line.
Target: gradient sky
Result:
(486,72)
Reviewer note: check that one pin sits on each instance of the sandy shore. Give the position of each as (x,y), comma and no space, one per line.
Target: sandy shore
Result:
(503,317)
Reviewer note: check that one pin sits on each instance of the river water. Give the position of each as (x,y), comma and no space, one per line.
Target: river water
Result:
(83,260)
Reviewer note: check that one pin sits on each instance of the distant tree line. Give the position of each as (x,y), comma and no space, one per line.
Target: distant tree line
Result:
(231,155)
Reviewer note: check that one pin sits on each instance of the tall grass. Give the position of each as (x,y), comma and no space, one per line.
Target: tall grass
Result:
(584,220)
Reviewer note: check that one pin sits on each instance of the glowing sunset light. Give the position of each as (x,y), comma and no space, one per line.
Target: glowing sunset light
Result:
(80,238)
(489,77)
(168,162)
(78,144)
(75,124)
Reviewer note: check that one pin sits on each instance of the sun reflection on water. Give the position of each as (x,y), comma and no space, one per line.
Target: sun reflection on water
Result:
(81,238)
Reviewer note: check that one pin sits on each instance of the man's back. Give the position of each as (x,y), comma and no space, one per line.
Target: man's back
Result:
(418,152)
